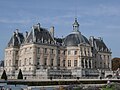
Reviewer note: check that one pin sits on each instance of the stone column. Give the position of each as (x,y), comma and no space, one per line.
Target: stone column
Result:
(91,63)
(34,56)
(48,59)
(55,58)
(80,62)
(84,63)
(110,64)
(86,51)
(42,57)
(88,63)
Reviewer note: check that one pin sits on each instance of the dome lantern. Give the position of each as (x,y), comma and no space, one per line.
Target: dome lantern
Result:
(75,26)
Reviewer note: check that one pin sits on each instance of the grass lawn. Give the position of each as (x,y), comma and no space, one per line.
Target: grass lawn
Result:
(109,88)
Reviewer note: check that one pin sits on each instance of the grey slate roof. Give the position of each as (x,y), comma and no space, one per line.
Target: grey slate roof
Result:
(99,45)
(40,35)
(74,39)
(16,40)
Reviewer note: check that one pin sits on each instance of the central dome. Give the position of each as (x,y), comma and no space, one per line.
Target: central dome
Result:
(74,39)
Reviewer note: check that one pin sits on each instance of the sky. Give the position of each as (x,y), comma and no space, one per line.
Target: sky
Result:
(98,18)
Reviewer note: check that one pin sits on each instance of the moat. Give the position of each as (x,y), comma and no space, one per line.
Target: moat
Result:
(61,84)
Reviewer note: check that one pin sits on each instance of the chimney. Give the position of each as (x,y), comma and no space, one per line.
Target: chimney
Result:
(17,31)
(13,40)
(33,33)
(38,26)
(52,31)
(100,38)
(26,34)
(92,40)
(14,33)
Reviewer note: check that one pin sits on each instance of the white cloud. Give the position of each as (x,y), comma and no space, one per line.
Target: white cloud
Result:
(17,21)
(100,10)
(113,27)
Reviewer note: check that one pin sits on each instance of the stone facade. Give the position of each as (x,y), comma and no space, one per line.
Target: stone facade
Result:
(41,55)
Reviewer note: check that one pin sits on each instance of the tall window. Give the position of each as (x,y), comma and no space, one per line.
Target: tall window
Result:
(30,69)
(69,63)
(101,57)
(95,65)
(75,53)
(58,51)
(69,52)
(52,51)
(95,55)
(81,51)
(10,52)
(38,50)
(25,61)
(64,52)
(58,62)
(45,50)
(24,69)
(38,61)
(63,63)
(10,63)
(30,60)
(90,63)
(16,62)
(108,65)
(88,52)
(75,63)
(51,62)
(100,64)
(108,57)
(16,52)
(82,63)
(25,49)
(86,64)
(29,49)
(45,61)
(104,65)
(85,51)
(20,63)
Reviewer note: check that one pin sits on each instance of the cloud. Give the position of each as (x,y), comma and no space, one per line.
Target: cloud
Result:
(17,21)
(113,27)
(99,10)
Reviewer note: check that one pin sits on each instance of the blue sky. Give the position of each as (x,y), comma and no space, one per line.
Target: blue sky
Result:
(99,18)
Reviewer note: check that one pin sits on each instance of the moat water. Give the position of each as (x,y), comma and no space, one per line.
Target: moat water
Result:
(25,87)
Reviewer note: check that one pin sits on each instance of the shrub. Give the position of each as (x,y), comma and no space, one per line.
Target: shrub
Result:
(4,76)
(20,75)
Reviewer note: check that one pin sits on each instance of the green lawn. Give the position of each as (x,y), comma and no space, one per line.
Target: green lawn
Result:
(107,89)
(112,87)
